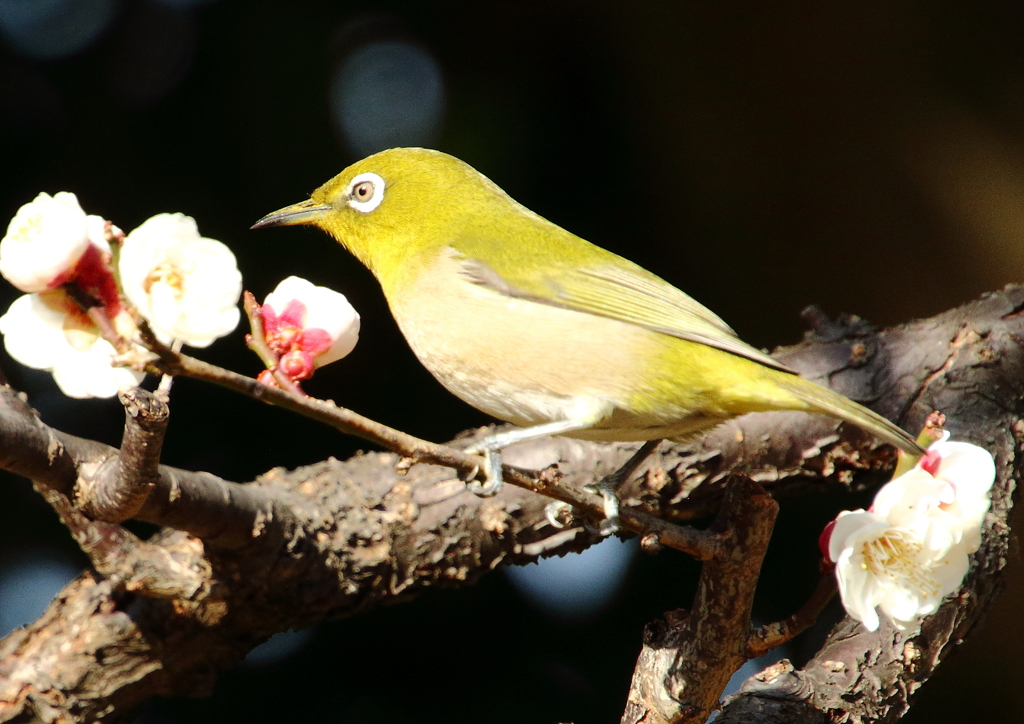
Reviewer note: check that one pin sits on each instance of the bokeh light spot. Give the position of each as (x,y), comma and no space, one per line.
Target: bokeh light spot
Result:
(185,3)
(387,94)
(51,29)
(279,647)
(576,586)
(28,585)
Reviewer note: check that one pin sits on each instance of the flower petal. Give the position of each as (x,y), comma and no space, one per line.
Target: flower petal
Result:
(34,334)
(44,241)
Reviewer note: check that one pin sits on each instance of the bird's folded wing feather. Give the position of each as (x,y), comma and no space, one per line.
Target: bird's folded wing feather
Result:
(629,294)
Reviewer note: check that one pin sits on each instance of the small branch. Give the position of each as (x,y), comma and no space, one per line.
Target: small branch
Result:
(325,411)
(97,315)
(221,513)
(118,488)
(691,541)
(767,637)
(719,623)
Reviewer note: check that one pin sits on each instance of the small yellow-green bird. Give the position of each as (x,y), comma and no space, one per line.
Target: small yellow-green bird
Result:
(537,327)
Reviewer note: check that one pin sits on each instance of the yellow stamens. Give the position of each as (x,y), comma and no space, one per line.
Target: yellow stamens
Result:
(896,556)
(165,273)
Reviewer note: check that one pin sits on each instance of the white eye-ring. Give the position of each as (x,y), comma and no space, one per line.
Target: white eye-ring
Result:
(366,192)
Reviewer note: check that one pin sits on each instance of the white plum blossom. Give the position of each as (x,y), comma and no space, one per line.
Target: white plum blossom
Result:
(308,326)
(185,285)
(45,240)
(910,550)
(47,331)
(905,571)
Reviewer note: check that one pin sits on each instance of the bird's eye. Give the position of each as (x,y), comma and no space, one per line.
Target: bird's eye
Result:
(366,191)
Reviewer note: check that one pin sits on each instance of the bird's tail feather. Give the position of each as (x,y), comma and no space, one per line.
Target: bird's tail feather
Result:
(825,400)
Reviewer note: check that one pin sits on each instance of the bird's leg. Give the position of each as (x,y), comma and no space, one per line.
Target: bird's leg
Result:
(580,413)
(608,486)
(490,447)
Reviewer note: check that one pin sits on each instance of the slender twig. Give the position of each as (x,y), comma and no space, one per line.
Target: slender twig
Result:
(767,637)
(257,342)
(639,458)
(700,544)
(324,411)
(97,315)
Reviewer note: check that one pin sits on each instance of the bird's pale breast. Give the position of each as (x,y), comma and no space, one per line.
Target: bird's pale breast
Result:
(528,363)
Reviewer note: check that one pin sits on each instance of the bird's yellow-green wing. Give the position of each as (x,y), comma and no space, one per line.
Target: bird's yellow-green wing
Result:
(591,279)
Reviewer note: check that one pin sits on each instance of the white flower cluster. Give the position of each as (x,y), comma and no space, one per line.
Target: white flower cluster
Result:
(184,285)
(910,549)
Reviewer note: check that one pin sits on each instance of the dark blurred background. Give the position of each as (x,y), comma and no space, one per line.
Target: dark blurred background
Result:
(866,157)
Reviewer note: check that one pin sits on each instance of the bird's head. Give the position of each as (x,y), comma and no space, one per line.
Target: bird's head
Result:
(394,205)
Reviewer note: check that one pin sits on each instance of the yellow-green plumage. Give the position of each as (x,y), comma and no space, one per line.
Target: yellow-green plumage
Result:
(534,325)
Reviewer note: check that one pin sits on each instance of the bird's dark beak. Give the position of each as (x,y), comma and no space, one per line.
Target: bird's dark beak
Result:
(304,212)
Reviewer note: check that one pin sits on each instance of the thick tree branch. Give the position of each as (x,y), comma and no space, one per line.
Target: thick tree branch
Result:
(359,533)
(221,513)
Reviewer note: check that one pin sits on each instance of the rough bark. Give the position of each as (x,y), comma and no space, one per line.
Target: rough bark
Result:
(683,668)
(338,538)
(966,363)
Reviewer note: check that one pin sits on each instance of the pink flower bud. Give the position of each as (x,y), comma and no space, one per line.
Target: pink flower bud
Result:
(309,326)
(297,364)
